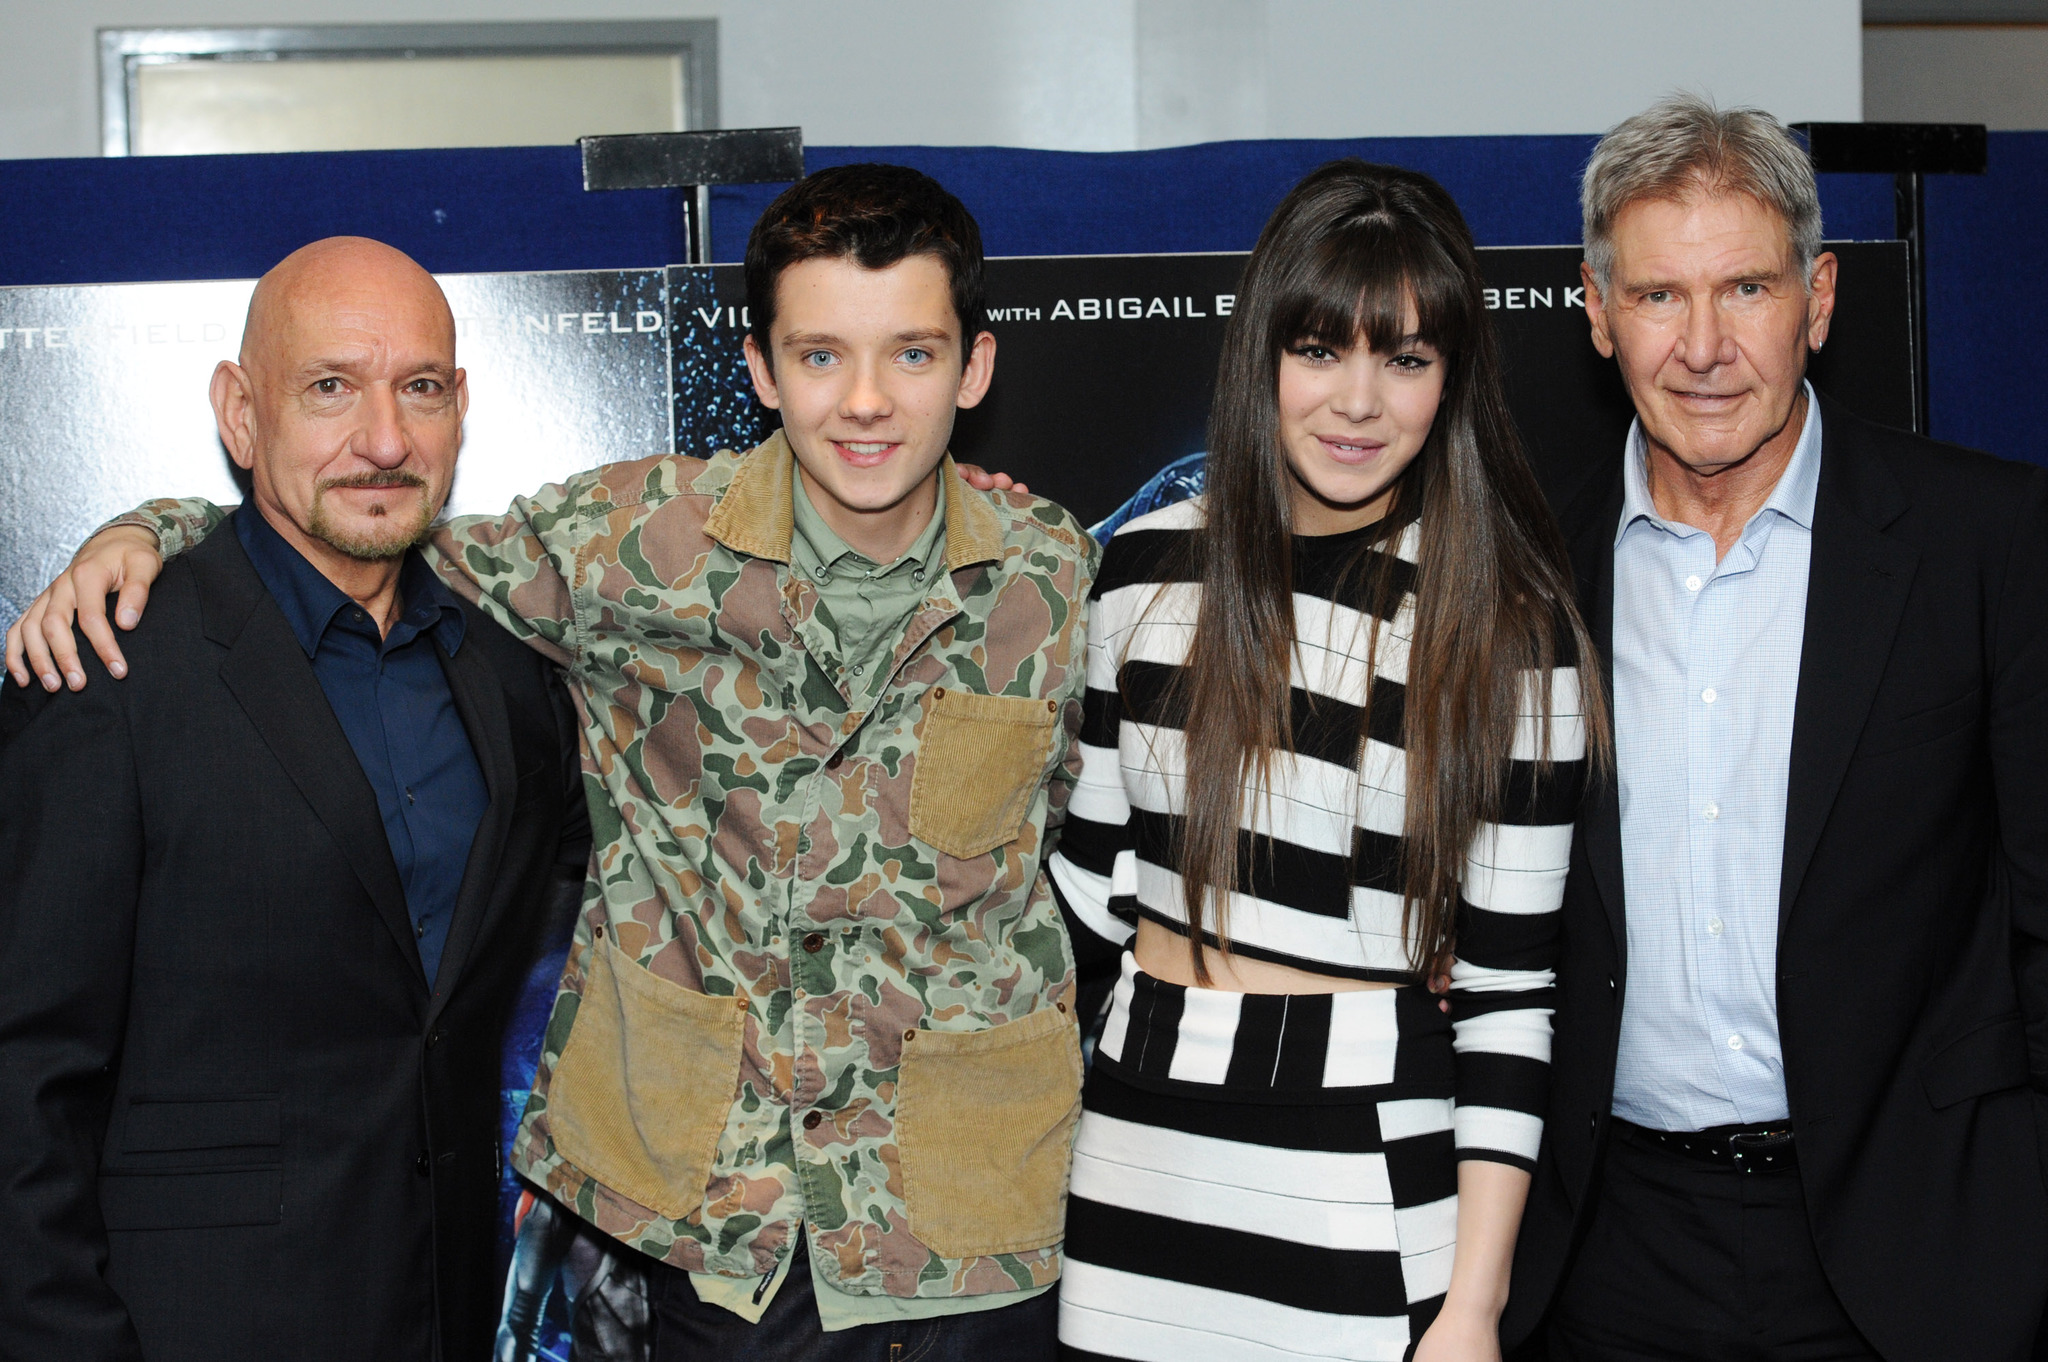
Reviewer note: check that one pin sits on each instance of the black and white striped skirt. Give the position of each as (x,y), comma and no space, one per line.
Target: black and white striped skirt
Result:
(1261,1177)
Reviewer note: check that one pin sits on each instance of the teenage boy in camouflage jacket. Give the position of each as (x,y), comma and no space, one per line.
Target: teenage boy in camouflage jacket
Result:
(820,988)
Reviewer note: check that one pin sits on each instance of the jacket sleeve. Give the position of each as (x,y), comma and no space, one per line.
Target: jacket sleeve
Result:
(71,851)
(1503,980)
(2018,738)
(179,523)
(1094,869)
(520,567)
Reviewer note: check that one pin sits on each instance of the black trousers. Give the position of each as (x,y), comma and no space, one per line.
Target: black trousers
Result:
(1686,1261)
(688,1330)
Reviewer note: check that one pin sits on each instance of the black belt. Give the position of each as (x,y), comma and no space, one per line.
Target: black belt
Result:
(1749,1149)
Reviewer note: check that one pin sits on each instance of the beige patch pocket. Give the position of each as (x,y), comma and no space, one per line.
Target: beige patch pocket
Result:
(642,1090)
(980,761)
(985,1130)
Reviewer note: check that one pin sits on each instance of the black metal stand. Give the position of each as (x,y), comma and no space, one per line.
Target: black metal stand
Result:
(1908,152)
(693,162)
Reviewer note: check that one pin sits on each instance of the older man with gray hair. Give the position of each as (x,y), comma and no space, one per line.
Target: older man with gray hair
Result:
(1796,1106)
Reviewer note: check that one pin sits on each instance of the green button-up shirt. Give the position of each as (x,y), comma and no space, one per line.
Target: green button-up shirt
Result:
(864,603)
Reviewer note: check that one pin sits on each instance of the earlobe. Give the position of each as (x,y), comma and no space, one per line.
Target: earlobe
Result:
(1596,312)
(759,371)
(232,404)
(978,372)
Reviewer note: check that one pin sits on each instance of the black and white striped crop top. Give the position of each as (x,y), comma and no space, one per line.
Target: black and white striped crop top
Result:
(1324,891)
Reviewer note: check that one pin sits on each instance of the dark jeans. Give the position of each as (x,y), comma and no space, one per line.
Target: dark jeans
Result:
(687,1330)
(1687,1261)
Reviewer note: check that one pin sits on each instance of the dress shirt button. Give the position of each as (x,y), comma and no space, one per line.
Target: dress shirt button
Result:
(917,574)
(1692,583)
(1735,1042)
(813,1119)
(1712,811)
(423,1165)
(814,942)
(858,669)
(1714,926)
(1709,695)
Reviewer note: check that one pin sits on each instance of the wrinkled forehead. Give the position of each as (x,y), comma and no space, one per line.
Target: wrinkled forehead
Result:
(363,321)
(1699,223)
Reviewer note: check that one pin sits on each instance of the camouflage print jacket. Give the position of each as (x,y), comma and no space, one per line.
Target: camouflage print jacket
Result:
(819,977)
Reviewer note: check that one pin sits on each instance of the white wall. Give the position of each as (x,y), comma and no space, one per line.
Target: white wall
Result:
(1097,74)
(1994,74)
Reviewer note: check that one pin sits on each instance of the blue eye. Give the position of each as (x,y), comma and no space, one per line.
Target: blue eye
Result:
(818,359)
(916,355)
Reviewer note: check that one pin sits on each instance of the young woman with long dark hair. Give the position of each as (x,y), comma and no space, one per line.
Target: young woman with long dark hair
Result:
(1335,740)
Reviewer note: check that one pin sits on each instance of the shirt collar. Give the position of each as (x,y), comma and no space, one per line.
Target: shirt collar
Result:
(1792,498)
(817,550)
(756,512)
(310,602)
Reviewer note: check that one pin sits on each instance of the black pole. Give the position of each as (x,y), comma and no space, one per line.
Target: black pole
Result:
(1909,207)
(1908,152)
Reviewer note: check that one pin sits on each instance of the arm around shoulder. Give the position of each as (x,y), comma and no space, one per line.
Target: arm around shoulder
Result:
(122,556)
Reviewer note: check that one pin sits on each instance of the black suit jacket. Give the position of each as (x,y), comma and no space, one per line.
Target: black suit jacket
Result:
(234,1121)
(1913,930)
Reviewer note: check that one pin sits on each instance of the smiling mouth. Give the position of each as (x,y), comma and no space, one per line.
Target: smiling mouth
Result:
(1350,451)
(865,453)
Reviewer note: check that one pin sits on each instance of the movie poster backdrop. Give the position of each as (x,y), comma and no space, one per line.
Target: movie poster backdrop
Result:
(1103,373)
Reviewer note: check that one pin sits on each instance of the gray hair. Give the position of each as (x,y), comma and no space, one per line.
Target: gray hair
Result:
(1682,145)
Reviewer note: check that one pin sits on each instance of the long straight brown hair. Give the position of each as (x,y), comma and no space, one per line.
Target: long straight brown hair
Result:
(1345,257)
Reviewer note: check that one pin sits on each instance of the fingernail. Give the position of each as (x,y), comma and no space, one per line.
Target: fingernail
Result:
(128,619)
(117,669)
(76,679)
(50,681)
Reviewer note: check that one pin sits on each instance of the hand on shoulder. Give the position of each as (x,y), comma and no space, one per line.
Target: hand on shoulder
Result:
(122,558)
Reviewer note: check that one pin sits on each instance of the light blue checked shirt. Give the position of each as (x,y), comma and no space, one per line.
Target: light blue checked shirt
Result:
(1706,667)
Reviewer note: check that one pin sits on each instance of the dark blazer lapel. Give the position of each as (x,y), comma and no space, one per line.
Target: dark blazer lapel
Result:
(480,700)
(1857,584)
(1592,549)
(267,672)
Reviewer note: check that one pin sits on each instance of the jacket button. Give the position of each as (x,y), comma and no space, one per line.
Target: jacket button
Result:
(424,1166)
(835,761)
(434,1037)
(814,942)
(813,1119)
(1593,1124)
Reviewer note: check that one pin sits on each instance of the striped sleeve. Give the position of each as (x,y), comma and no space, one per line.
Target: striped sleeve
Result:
(1094,871)
(1503,985)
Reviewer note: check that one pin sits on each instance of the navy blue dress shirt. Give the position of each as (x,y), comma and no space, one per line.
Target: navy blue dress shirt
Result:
(393,701)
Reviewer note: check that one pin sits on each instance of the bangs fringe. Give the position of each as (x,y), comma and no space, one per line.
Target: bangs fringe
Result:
(1358,283)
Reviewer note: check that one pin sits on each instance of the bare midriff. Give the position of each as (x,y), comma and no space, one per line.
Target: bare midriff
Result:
(1164,955)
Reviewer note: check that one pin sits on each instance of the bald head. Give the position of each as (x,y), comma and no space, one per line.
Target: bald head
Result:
(342,274)
(346,406)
